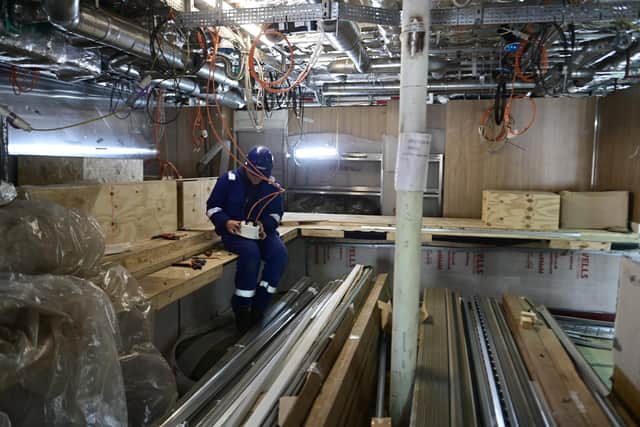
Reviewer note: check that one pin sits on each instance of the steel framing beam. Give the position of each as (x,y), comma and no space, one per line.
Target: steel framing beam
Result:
(474,15)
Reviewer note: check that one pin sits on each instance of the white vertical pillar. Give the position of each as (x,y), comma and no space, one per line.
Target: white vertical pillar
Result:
(410,181)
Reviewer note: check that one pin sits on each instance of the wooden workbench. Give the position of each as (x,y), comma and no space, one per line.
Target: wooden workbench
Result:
(341,226)
(163,283)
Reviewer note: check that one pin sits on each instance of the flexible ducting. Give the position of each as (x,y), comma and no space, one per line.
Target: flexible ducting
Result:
(118,33)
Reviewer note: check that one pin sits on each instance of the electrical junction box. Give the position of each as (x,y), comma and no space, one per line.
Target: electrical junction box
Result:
(249,231)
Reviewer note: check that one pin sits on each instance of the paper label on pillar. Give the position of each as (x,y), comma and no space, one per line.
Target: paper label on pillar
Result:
(412,161)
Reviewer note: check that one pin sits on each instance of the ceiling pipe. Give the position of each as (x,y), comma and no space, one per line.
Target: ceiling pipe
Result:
(380,65)
(354,89)
(103,28)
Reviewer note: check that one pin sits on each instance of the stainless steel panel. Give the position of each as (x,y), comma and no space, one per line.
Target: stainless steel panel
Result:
(106,138)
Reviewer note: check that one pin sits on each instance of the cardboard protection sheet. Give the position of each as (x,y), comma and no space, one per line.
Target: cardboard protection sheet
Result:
(605,210)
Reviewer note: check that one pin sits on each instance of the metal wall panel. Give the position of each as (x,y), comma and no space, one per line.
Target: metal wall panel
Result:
(105,138)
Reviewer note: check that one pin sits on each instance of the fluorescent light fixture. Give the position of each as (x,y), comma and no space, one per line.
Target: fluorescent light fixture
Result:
(61,148)
(316,153)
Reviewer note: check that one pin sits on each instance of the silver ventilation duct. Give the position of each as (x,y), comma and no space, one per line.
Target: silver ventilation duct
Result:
(118,33)
(344,36)
(50,51)
(339,89)
(380,65)
(229,98)
(182,85)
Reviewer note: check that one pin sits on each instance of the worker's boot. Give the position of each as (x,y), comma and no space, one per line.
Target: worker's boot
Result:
(257,316)
(243,318)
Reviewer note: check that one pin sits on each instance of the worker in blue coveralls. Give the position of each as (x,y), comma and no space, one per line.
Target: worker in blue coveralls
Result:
(235,197)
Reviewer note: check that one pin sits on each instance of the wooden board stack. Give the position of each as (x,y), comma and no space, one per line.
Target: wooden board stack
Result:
(523,210)
(348,392)
(569,399)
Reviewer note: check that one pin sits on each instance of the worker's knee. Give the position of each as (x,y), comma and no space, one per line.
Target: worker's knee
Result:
(247,250)
(277,252)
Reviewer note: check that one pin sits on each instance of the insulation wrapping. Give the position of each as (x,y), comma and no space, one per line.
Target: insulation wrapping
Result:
(58,353)
(44,238)
(149,382)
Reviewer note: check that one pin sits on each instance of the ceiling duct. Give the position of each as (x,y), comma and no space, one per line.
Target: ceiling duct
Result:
(339,89)
(344,36)
(380,65)
(49,51)
(612,71)
(120,34)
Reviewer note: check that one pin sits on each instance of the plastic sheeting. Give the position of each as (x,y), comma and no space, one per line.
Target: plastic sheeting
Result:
(8,194)
(149,382)
(44,238)
(58,353)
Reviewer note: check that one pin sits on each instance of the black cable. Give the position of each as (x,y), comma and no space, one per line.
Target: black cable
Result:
(500,103)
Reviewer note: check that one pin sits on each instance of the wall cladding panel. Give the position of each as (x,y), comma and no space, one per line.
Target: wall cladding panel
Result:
(555,154)
(618,161)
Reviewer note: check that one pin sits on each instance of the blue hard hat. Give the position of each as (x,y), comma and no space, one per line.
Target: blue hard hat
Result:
(261,157)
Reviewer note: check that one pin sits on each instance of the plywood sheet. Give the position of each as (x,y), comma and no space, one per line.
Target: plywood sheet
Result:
(525,210)
(556,153)
(192,203)
(126,212)
(618,161)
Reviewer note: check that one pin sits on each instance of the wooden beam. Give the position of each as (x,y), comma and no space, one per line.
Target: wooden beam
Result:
(570,400)
(322,232)
(580,245)
(172,283)
(348,391)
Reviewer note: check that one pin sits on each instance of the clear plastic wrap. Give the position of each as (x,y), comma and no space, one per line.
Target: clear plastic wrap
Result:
(148,379)
(8,194)
(44,238)
(58,353)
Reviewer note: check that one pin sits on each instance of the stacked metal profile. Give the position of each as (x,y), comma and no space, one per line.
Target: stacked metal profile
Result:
(470,371)
(259,360)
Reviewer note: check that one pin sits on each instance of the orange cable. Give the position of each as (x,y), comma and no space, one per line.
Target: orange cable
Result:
(268,85)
